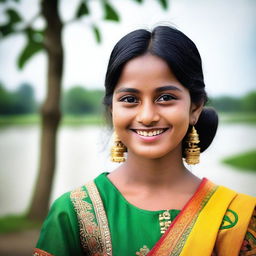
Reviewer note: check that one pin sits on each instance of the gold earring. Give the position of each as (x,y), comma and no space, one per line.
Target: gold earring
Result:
(117,150)
(192,151)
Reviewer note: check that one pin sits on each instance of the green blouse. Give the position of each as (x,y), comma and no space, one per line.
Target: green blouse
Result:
(133,230)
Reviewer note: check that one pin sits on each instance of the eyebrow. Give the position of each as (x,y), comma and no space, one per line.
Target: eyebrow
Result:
(168,88)
(159,89)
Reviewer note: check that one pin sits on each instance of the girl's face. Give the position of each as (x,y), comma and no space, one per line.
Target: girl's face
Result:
(151,109)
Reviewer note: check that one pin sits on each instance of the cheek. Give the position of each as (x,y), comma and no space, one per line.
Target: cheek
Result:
(179,118)
(121,117)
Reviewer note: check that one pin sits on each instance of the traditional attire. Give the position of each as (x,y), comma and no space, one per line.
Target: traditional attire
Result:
(97,220)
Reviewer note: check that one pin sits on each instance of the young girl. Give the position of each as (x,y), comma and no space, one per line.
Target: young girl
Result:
(151,204)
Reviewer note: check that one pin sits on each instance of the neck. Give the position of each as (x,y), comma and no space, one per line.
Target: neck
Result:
(159,172)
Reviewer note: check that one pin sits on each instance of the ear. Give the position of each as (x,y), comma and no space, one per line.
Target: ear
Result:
(195,111)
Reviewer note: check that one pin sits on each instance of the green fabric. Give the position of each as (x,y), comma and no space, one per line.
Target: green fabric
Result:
(60,232)
(131,228)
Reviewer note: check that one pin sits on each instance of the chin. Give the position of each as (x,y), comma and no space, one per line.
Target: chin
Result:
(151,154)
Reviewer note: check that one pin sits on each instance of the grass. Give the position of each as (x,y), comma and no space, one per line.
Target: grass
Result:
(34,119)
(82,120)
(92,119)
(19,120)
(246,117)
(244,161)
(14,223)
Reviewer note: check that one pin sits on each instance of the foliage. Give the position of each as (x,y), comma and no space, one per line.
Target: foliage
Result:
(21,101)
(51,42)
(245,103)
(13,223)
(249,102)
(79,101)
(244,161)
(34,45)
(226,103)
(35,38)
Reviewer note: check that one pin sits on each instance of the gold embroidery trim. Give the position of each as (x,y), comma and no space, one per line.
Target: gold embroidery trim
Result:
(39,252)
(143,251)
(101,216)
(95,238)
(164,221)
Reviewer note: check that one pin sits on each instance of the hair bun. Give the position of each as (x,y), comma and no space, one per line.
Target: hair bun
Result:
(206,127)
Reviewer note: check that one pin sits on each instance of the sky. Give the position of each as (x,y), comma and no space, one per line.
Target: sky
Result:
(223,30)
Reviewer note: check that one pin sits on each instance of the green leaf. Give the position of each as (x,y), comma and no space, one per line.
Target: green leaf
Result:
(138,1)
(14,17)
(34,35)
(30,49)
(110,13)
(163,3)
(82,10)
(5,30)
(97,34)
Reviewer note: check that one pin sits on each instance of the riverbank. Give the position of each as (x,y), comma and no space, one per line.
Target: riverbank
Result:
(76,120)
(34,119)
(18,243)
(244,162)
(249,118)
(17,223)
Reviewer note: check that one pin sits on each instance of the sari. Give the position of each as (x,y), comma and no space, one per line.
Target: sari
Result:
(96,220)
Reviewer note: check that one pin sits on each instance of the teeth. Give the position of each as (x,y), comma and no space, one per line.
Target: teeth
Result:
(150,133)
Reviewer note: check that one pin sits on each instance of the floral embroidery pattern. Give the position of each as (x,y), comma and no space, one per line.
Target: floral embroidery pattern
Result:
(90,232)
(143,251)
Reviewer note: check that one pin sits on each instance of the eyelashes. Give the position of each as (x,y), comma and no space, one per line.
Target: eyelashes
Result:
(133,99)
(129,99)
(166,97)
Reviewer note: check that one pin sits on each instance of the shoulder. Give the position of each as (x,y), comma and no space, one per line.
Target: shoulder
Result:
(62,206)
(80,199)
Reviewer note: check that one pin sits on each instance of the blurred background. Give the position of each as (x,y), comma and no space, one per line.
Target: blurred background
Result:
(53,59)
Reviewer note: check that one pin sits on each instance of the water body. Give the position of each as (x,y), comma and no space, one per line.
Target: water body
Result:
(83,153)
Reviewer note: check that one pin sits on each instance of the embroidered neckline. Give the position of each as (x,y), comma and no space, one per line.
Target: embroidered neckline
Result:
(123,199)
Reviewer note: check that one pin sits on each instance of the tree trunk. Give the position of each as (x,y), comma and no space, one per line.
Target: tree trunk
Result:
(50,111)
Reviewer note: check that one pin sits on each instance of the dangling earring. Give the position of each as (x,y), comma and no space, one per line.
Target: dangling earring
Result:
(117,150)
(192,151)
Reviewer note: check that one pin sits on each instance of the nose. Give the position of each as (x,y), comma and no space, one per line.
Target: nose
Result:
(148,114)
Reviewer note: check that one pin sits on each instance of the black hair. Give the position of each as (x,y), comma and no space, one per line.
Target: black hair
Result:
(183,58)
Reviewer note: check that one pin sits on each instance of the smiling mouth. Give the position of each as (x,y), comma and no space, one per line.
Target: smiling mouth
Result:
(150,133)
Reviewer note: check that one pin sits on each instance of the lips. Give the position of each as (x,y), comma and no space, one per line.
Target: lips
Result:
(150,132)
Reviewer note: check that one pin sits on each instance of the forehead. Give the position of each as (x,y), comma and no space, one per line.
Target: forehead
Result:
(147,71)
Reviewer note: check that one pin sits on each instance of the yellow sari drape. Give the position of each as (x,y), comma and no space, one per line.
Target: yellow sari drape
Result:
(215,220)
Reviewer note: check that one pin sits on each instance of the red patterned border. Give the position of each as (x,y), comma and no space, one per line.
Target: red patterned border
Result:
(38,252)
(172,242)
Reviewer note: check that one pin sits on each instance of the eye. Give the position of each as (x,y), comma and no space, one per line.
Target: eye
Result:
(129,99)
(166,97)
